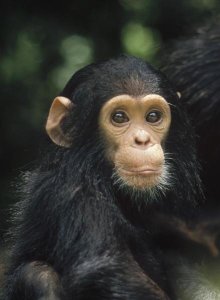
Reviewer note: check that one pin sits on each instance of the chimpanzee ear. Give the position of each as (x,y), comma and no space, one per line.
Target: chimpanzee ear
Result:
(58,111)
(179,94)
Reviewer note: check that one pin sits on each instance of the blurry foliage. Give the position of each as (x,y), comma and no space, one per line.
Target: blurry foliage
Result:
(77,51)
(23,60)
(140,41)
(42,46)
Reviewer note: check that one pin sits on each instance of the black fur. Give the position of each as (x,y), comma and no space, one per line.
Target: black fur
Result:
(194,67)
(94,241)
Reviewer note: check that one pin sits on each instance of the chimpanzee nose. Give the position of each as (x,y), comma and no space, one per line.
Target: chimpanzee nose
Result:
(142,138)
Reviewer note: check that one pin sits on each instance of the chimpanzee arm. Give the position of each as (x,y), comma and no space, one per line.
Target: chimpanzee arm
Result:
(34,281)
(111,276)
(101,278)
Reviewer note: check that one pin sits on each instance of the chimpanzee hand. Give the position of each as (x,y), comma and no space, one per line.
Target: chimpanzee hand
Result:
(36,281)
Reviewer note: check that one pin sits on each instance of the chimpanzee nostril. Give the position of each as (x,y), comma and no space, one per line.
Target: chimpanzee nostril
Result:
(142,138)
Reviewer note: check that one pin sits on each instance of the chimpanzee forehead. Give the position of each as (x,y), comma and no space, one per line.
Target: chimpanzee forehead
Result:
(131,85)
(124,75)
(134,77)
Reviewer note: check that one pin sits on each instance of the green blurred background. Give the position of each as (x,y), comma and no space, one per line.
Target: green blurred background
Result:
(42,45)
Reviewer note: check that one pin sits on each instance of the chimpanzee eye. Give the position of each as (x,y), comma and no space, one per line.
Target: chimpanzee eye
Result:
(154,116)
(119,117)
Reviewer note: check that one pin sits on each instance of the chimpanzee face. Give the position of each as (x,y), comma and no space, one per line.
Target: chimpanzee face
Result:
(134,130)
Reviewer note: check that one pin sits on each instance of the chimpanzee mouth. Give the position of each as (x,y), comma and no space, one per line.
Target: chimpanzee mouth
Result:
(143,183)
(143,171)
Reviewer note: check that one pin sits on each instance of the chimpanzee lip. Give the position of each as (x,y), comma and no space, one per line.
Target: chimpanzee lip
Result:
(143,171)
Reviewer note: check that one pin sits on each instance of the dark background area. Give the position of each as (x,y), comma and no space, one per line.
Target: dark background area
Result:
(41,46)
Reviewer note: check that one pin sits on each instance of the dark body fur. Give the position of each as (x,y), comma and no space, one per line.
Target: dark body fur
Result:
(93,239)
(194,67)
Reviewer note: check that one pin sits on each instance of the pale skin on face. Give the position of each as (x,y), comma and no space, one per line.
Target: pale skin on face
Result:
(133,129)
(135,144)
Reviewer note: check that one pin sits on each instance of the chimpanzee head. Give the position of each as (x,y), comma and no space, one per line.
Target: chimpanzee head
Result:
(132,109)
